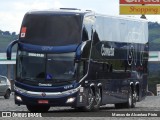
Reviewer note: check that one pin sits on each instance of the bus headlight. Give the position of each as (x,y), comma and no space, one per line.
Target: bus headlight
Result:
(19,98)
(70,100)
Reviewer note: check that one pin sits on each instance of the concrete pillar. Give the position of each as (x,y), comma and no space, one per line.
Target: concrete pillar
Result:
(14,72)
(9,71)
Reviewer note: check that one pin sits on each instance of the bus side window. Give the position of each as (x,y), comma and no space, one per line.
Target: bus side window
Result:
(106,67)
(111,68)
(85,35)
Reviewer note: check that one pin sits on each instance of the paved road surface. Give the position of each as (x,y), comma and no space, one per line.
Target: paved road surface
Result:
(149,105)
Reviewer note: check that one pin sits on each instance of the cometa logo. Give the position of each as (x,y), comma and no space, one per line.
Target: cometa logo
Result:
(107,51)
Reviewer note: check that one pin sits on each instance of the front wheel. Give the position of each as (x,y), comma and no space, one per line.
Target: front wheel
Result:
(98,99)
(37,108)
(90,101)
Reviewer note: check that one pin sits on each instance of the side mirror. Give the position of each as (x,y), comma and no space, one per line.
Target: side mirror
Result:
(9,49)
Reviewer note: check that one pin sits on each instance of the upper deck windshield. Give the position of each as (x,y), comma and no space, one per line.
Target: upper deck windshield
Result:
(51,29)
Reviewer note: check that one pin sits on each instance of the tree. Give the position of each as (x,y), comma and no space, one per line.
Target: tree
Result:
(6,33)
(13,33)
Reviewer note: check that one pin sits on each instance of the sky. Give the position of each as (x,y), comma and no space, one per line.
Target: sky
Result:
(13,11)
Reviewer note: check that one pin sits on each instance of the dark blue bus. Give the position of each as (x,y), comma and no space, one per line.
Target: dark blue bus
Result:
(81,59)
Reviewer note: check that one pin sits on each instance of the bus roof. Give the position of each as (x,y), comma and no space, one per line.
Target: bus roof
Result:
(67,11)
(71,11)
(122,17)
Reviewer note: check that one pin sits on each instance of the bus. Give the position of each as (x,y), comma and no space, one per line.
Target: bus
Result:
(81,59)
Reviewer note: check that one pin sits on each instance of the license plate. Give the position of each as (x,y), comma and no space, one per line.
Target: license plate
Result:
(43,101)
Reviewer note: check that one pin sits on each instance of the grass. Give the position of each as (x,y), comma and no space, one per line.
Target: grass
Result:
(155,31)
(156,40)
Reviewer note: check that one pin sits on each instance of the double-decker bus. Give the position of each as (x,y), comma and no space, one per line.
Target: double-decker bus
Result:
(82,59)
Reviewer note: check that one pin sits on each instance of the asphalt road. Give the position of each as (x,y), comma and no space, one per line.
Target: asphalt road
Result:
(144,109)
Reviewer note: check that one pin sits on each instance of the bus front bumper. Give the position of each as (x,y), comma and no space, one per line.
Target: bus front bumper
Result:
(71,98)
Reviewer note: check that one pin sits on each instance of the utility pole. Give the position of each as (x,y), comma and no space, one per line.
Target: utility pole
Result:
(143,16)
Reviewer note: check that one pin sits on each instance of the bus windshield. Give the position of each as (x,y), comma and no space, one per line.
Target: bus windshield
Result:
(45,67)
(51,29)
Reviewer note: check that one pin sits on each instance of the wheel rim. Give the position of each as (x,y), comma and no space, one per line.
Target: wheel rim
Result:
(134,98)
(130,100)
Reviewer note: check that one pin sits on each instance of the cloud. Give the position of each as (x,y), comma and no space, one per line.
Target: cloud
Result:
(37,4)
(57,4)
(11,18)
(12,11)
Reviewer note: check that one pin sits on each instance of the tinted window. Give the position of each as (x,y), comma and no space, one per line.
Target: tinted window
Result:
(51,30)
(61,66)
(100,27)
(88,22)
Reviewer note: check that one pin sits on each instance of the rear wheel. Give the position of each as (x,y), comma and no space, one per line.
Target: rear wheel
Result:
(131,103)
(98,99)
(134,97)
(131,99)
(137,93)
(7,95)
(37,108)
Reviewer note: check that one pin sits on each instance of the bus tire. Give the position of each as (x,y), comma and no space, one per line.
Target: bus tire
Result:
(90,101)
(131,103)
(136,96)
(137,93)
(37,108)
(98,99)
